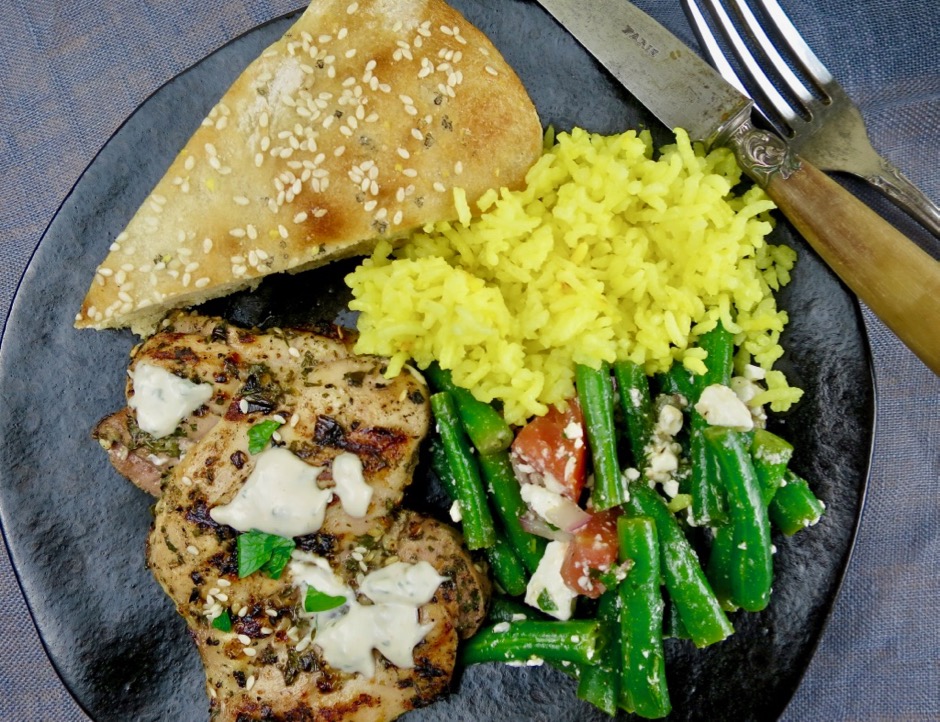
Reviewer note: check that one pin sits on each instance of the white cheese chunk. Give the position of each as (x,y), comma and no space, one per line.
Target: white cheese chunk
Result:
(351,487)
(280,497)
(162,399)
(720,406)
(546,589)
(557,510)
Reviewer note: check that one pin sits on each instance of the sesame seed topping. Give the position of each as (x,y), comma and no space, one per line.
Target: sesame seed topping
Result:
(192,550)
(249,683)
(242,612)
(250,652)
(244,639)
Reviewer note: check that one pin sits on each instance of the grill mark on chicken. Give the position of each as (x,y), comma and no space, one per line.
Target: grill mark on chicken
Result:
(339,403)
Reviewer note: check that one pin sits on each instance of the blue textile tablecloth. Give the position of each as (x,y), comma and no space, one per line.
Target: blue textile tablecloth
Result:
(71,72)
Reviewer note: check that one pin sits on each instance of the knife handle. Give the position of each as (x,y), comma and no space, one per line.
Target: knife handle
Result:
(898,281)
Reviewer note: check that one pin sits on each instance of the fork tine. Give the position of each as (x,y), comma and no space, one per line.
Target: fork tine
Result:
(708,41)
(806,58)
(769,48)
(764,86)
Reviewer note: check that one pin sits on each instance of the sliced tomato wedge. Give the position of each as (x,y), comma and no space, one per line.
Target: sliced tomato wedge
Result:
(593,549)
(551,450)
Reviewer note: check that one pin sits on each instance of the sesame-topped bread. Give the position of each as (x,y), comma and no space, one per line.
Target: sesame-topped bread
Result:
(356,125)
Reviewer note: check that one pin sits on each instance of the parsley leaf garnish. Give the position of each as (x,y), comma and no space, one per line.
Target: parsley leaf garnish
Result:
(223,622)
(260,434)
(267,552)
(317,601)
(545,602)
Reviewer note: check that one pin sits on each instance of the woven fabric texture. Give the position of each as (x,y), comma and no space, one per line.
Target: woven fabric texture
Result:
(72,72)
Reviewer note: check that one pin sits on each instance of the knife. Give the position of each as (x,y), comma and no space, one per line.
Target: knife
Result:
(898,281)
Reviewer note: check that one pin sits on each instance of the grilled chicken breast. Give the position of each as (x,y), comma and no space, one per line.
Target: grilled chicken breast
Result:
(269,665)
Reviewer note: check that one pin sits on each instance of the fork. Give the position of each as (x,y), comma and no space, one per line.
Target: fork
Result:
(828,131)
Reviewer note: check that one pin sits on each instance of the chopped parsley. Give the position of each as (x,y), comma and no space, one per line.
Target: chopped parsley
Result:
(223,622)
(545,602)
(266,552)
(317,601)
(260,434)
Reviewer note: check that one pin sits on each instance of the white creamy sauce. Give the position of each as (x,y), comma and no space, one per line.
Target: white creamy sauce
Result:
(351,487)
(402,583)
(348,634)
(547,584)
(162,399)
(280,497)
(720,406)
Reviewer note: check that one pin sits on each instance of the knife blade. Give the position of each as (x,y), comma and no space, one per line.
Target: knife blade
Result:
(898,280)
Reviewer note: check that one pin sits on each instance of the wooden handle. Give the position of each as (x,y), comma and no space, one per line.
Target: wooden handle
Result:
(898,281)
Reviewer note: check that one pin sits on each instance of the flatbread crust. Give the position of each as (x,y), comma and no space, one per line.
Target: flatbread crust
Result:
(355,126)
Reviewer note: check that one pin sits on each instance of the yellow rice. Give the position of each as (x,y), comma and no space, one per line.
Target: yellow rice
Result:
(607,254)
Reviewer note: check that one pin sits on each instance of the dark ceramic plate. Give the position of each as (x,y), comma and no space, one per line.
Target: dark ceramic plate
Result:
(76,530)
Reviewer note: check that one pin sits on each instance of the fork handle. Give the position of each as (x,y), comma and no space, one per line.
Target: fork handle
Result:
(898,281)
(895,185)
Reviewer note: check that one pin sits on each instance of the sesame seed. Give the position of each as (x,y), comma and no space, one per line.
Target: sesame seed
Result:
(252,231)
(259,159)
(243,406)
(410,172)
(186,481)
(396,220)
(439,187)
(206,245)
(370,206)
(242,612)
(249,683)
(224,583)
(192,550)
(250,652)
(244,639)
(294,420)
(189,163)
(491,70)
(417,134)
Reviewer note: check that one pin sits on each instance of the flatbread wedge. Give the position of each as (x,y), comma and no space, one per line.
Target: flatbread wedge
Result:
(357,125)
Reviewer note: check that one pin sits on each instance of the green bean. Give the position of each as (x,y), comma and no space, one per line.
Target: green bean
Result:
(718,569)
(751,571)
(689,590)
(505,563)
(641,619)
(504,609)
(599,683)
(478,529)
(504,492)
(673,628)
(677,380)
(634,390)
(578,642)
(719,343)
(794,506)
(596,395)
(709,507)
(507,568)
(485,426)
(770,455)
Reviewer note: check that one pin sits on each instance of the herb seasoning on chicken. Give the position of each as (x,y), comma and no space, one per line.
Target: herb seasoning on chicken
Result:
(300,394)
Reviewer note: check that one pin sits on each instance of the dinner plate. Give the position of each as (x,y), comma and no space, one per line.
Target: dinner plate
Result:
(76,530)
